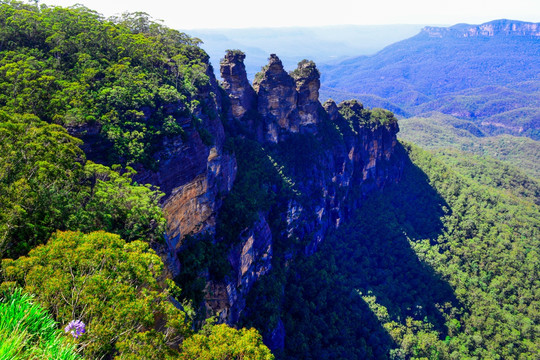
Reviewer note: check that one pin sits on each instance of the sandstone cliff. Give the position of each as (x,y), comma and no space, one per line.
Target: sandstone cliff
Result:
(331,156)
(328,157)
(194,172)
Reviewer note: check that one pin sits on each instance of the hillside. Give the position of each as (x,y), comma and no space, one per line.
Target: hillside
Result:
(427,269)
(150,211)
(486,73)
(141,200)
(439,131)
(89,237)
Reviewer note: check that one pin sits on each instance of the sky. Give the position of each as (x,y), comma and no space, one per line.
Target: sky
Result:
(209,14)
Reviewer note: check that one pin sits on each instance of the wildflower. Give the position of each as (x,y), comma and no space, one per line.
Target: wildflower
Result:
(76,328)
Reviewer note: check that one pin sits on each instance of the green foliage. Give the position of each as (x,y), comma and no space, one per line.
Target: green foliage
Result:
(28,332)
(438,131)
(107,283)
(259,76)
(45,185)
(359,117)
(258,186)
(39,170)
(200,256)
(221,342)
(493,173)
(488,254)
(382,116)
(439,266)
(305,68)
(132,76)
(114,203)
(236,52)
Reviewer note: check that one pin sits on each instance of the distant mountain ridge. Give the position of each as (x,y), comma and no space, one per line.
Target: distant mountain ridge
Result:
(488,73)
(502,27)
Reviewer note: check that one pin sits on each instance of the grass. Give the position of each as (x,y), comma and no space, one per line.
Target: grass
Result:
(28,332)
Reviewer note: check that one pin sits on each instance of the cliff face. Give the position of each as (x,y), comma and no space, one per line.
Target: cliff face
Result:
(332,156)
(194,172)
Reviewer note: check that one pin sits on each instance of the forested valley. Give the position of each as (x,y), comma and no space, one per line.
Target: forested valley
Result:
(443,265)
(441,261)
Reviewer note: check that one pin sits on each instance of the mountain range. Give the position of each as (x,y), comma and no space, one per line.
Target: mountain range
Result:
(145,206)
(488,73)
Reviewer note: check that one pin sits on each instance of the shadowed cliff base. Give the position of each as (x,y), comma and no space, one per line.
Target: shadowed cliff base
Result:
(365,290)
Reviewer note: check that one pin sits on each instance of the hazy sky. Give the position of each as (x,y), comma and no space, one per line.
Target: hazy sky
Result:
(192,14)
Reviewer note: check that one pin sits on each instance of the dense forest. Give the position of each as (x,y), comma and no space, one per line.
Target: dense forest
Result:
(439,131)
(76,236)
(443,264)
(446,262)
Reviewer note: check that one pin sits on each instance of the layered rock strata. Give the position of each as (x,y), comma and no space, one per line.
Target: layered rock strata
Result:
(358,157)
(277,100)
(194,172)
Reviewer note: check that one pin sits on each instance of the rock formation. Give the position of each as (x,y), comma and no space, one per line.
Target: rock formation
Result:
(307,79)
(242,97)
(335,156)
(241,94)
(358,157)
(277,103)
(194,173)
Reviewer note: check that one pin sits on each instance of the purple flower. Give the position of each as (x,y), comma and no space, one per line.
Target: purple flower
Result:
(76,328)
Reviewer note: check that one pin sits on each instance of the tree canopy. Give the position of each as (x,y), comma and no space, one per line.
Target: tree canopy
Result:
(46,184)
(134,78)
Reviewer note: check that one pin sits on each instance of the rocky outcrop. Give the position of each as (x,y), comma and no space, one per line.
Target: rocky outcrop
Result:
(342,176)
(277,100)
(250,260)
(349,153)
(242,97)
(337,154)
(194,172)
(307,79)
(371,139)
(288,103)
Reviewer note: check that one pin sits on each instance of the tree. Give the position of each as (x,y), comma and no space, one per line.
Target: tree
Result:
(46,184)
(39,168)
(107,283)
(221,342)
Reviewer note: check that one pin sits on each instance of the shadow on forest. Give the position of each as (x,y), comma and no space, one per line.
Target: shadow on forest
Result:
(325,297)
